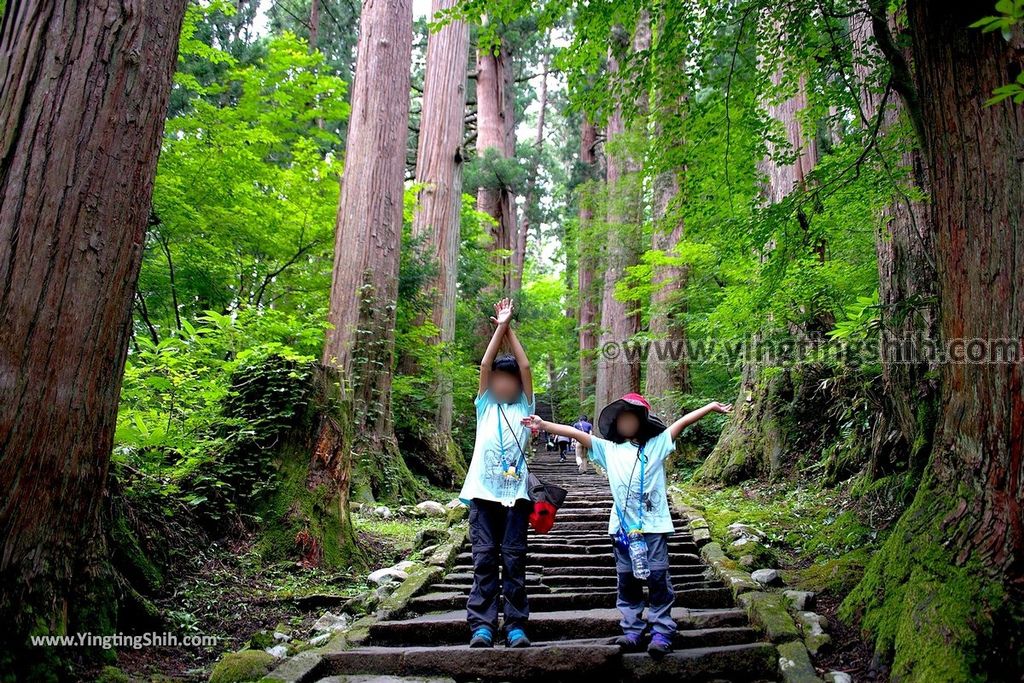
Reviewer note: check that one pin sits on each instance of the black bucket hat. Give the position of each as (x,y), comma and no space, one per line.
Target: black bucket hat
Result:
(650,426)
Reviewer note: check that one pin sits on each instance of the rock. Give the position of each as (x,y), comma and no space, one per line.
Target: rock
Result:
(319,640)
(404,566)
(356,506)
(382,511)
(739,530)
(455,503)
(281,637)
(387,575)
(329,623)
(813,626)
(795,664)
(746,561)
(766,577)
(432,508)
(278,651)
(767,611)
(429,537)
(698,523)
(239,667)
(838,677)
(701,536)
(428,550)
(260,640)
(456,515)
(384,590)
(411,511)
(802,600)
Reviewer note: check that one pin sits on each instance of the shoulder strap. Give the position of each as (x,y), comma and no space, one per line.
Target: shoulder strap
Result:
(515,437)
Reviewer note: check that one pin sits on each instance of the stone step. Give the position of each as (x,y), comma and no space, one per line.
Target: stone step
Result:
(451,628)
(539,547)
(559,661)
(597,597)
(545,588)
(463,581)
(561,559)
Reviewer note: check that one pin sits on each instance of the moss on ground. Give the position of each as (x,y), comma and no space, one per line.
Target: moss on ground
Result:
(241,667)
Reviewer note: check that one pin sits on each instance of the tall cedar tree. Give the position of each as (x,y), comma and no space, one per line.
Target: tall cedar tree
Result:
(439,170)
(364,287)
(83,98)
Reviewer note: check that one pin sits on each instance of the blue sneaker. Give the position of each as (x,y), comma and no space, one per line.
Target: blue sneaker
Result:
(482,637)
(630,642)
(517,638)
(660,646)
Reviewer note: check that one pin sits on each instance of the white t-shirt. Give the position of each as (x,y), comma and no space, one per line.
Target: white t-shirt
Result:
(620,462)
(495,448)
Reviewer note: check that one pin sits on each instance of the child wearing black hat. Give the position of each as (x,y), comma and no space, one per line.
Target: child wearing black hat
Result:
(633,452)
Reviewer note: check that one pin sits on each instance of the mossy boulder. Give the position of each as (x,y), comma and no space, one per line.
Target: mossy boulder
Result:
(767,612)
(242,666)
(111,674)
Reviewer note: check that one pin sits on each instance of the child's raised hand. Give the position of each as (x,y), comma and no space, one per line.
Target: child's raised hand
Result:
(717,407)
(534,422)
(502,311)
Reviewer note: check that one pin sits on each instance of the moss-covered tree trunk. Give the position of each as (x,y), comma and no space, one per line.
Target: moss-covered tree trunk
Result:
(364,288)
(83,96)
(943,596)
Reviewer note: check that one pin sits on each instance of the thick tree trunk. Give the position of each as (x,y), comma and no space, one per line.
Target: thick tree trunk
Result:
(587,309)
(667,369)
(496,131)
(619,373)
(944,593)
(904,245)
(361,341)
(523,232)
(437,218)
(83,98)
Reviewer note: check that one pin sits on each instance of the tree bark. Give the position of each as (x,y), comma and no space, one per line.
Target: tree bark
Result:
(942,592)
(439,171)
(587,309)
(364,286)
(904,246)
(620,373)
(496,131)
(523,231)
(667,369)
(83,98)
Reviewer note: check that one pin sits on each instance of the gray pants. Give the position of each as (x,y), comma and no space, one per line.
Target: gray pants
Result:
(630,599)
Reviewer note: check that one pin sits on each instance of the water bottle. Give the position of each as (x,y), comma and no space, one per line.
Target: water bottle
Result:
(638,554)
(509,486)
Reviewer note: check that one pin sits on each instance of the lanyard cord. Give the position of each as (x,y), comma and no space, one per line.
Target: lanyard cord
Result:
(640,512)
(501,441)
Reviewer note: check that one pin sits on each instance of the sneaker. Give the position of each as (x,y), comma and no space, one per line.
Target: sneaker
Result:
(660,646)
(482,637)
(630,642)
(517,638)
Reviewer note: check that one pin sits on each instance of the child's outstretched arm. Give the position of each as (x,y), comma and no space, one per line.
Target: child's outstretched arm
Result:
(534,423)
(686,420)
(502,316)
(523,361)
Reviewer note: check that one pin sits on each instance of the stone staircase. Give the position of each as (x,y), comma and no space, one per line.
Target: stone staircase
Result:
(571,582)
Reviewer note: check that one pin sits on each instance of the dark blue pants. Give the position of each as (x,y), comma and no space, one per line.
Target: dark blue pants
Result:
(498,536)
(660,596)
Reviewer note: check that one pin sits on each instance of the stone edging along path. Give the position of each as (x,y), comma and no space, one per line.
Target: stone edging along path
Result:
(420,630)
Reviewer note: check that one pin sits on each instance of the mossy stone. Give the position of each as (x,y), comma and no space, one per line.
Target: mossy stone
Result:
(242,666)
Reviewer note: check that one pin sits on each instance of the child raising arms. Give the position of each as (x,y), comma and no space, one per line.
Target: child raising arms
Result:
(496,491)
(633,452)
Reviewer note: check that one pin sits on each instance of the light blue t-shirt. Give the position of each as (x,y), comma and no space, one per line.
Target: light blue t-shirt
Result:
(495,449)
(618,460)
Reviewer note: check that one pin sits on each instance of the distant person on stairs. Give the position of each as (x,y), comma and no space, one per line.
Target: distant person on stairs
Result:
(495,489)
(633,452)
(582,424)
